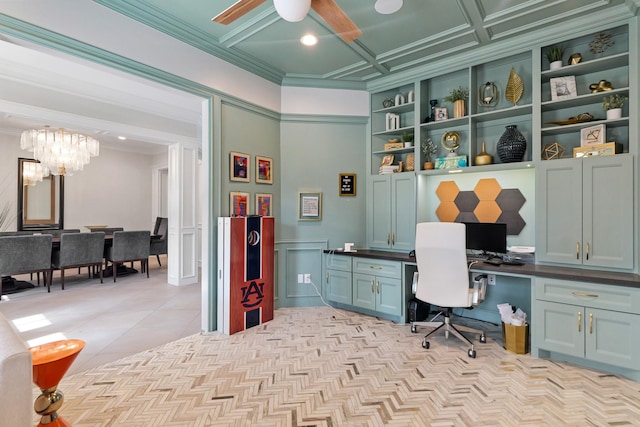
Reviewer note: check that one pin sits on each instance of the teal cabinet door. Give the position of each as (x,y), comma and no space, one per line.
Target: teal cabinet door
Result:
(391,211)
(559,327)
(364,286)
(608,211)
(584,211)
(388,296)
(612,338)
(339,287)
(379,212)
(403,215)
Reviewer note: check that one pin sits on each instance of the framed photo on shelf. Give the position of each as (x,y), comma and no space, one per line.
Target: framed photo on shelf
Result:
(441,113)
(347,184)
(563,87)
(593,135)
(239,166)
(264,170)
(238,203)
(387,160)
(263,204)
(310,206)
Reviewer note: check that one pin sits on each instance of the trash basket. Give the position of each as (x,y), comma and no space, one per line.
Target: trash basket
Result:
(515,338)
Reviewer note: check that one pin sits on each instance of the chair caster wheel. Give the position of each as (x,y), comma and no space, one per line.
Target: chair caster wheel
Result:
(483,338)
(425,344)
(414,329)
(471,353)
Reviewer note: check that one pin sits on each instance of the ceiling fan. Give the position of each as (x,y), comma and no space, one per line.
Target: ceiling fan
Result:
(294,11)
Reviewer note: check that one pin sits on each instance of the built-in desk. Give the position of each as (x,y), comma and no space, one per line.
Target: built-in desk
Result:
(588,317)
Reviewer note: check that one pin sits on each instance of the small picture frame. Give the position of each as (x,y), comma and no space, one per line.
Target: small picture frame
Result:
(593,135)
(387,160)
(347,184)
(239,166)
(441,113)
(263,204)
(310,206)
(238,203)
(264,170)
(563,87)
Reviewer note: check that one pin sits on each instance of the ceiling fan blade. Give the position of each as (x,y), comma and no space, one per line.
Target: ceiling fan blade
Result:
(337,19)
(236,11)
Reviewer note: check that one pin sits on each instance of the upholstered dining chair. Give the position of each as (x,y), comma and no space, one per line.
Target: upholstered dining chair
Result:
(25,254)
(159,239)
(443,276)
(78,250)
(129,246)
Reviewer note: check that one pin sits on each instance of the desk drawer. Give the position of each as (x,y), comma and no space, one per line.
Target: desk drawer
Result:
(608,297)
(338,262)
(377,267)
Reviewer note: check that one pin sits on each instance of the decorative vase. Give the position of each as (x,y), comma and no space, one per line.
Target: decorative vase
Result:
(555,65)
(459,108)
(428,165)
(511,145)
(614,113)
(483,158)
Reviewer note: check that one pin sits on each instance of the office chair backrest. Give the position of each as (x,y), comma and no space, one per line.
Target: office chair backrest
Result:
(441,256)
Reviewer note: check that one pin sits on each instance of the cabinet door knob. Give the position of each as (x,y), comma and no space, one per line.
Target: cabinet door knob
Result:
(388,238)
(378,283)
(393,238)
(577,250)
(587,248)
(373,289)
(579,321)
(590,323)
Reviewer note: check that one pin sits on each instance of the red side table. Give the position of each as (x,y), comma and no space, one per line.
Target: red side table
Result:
(50,362)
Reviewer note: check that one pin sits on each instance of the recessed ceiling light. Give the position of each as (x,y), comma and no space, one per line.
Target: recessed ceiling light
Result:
(387,7)
(122,138)
(309,40)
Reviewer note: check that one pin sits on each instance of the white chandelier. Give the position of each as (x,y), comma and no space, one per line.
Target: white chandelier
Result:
(32,173)
(59,152)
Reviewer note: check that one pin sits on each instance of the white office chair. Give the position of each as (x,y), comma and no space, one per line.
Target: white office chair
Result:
(443,277)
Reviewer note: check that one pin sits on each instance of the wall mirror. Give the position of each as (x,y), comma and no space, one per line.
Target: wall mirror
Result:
(40,203)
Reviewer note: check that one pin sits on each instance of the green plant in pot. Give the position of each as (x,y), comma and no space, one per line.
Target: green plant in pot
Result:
(407,136)
(458,97)
(613,104)
(428,150)
(554,55)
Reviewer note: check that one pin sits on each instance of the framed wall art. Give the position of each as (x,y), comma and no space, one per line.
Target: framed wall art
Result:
(263,204)
(310,206)
(239,166)
(593,135)
(563,87)
(238,203)
(264,170)
(347,184)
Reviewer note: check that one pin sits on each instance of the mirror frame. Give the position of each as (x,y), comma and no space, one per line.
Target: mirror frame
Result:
(59,179)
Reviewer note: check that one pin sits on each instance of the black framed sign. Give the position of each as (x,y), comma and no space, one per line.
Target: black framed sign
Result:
(347,184)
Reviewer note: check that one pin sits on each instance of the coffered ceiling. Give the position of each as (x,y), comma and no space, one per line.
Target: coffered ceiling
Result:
(422,31)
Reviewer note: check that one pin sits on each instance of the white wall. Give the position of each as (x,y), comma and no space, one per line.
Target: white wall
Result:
(114,189)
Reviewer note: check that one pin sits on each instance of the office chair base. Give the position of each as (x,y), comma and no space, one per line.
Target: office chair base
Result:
(447,328)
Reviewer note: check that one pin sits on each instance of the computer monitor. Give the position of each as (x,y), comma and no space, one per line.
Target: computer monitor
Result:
(490,238)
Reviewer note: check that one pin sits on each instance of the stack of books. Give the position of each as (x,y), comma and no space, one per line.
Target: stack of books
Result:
(385,169)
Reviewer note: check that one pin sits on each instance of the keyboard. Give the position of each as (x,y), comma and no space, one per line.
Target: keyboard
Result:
(499,261)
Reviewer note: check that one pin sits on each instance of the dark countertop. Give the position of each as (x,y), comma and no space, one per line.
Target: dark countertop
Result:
(530,270)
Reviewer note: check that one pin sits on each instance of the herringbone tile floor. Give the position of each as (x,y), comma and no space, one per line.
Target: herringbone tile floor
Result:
(325,367)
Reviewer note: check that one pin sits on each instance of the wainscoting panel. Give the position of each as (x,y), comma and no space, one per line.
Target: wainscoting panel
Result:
(299,258)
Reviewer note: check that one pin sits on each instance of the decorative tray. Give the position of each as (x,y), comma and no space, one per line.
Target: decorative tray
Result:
(580,118)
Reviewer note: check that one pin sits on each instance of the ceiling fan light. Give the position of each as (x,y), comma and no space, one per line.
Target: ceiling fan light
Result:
(292,10)
(387,7)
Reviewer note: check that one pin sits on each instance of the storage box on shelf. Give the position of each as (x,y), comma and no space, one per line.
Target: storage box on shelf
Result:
(564,117)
